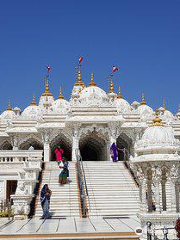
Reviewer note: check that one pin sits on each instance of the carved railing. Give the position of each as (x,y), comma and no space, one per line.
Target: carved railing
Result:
(9,156)
(83,190)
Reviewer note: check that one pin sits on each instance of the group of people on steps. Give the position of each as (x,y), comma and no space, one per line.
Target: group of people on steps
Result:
(64,174)
(63,179)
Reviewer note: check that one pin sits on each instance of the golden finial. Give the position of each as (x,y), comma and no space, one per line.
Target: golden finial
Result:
(164,105)
(9,106)
(33,103)
(79,80)
(111,89)
(119,93)
(157,121)
(60,95)
(47,93)
(143,102)
(92,83)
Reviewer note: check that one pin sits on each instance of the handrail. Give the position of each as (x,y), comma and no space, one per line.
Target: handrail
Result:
(82,184)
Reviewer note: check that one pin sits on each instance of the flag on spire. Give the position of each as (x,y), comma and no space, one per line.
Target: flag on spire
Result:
(115,69)
(48,68)
(80,59)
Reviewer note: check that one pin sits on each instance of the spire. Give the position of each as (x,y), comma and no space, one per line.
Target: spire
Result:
(9,106)
(33,103)
(111,89)
(92,83)
(143,102)
(47,93)
(157,121)
(119,93)
(79,79)
(164,105)
(60,94)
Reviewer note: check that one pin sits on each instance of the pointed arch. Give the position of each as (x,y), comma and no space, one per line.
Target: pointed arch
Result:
(124,144)
(93,146)
(6,145)
(31,140)
(66,144)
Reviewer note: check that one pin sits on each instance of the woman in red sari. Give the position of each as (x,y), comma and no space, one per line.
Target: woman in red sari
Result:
(59,152)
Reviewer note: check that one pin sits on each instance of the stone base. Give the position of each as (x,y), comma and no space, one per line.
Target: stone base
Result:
(159,221)
(21,205)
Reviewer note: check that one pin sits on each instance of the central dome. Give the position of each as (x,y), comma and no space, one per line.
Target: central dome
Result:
(93,96)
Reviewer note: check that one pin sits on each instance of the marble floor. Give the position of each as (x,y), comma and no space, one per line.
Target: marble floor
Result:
(68,226)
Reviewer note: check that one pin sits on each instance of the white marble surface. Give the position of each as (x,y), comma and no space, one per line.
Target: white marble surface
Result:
(68,225)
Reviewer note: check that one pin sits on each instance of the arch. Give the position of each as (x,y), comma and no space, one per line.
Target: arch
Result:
(65,143)
(124,144)
(93,146)
(6,145)
(35,142)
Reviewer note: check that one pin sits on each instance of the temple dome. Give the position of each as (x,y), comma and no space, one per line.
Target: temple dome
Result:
(60,105)
(32,111)
(93,96)
(8,114)
(168,115)
(121,104)
(158,138)
(159,134)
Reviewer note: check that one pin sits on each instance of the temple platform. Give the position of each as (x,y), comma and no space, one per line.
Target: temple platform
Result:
(70,228)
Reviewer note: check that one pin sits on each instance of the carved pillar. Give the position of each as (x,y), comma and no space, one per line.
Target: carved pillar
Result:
(108,151)
(142,189)
(47,152)
(75,141)
(156,178)
(173,175)
(149,195)
(14,142)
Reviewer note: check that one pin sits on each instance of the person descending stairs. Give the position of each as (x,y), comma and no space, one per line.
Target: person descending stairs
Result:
(64,199)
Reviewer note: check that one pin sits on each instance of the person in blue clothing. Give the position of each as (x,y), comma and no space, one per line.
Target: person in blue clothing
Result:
(45,201)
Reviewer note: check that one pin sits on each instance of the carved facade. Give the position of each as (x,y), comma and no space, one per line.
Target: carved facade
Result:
(92,119)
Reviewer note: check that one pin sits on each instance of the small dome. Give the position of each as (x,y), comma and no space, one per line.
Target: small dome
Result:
(157,138)
(32,111)
(168,115)
(60,106)
(159,134)
(122,105)
(145,110)
(8,114)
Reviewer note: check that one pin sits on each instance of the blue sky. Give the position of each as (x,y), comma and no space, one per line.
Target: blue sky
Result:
(141,37)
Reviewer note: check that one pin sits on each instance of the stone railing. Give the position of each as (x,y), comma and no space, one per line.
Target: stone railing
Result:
(19,156)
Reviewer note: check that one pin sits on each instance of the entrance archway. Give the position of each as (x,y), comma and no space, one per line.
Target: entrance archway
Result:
(64,143)
(31,142)
(93,147)
(124,144)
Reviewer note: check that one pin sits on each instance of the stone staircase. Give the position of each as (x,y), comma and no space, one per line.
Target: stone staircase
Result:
(64,199)
(112,190)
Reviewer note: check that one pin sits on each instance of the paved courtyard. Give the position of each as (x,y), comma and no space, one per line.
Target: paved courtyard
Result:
(58,227)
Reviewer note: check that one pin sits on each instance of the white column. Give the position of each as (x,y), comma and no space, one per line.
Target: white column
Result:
(14,142)
(172,178)
(108,151)
(75,148)
(46,152)
(75,142)
(143,194)
(156,178)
